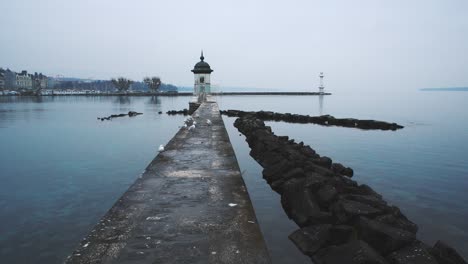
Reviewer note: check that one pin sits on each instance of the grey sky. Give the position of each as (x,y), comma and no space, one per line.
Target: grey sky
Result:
(360,45)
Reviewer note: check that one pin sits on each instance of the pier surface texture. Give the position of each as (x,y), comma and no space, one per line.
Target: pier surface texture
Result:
(189,206)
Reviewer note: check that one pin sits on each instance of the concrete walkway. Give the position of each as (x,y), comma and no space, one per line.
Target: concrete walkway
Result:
(190,206)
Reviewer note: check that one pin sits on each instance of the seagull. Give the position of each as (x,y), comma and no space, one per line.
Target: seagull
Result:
(191,127)
(208,122)
(161,148)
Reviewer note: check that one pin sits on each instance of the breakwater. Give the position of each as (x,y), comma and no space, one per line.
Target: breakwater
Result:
(190,205)
(324,120)
(130,114)
(340,220)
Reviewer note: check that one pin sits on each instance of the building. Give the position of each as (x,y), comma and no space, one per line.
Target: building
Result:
(24,80)
(39,81)
(10,79)
(202,73)
(2,79)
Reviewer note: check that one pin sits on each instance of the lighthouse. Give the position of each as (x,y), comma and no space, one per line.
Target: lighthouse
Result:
(321,87)
(202,72)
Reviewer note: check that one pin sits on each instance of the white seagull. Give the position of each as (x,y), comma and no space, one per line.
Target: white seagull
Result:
(161,148)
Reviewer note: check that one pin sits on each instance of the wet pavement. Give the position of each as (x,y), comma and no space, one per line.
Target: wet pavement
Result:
(189,206)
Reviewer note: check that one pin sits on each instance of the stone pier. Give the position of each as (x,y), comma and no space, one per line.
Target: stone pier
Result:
(189,206)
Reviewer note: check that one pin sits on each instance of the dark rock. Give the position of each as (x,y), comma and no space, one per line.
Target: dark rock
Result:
(415,253)
(274,172)
(353,252)
(133,113)
(446,254)
(347,210)
(324,161)
(340,234)
(337,168)
(300,205)
(326,194)
(314,180)
(310,239)
(348,172)
(398,221)
(371,200)
(382,237)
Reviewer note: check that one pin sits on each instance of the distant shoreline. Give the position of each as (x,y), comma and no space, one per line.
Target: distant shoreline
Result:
(184,94)
(452,89)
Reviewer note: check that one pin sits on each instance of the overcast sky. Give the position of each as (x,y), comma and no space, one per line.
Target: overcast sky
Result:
(368,45)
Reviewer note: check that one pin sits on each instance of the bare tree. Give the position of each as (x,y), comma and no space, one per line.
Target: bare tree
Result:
(153,83)
(121,83)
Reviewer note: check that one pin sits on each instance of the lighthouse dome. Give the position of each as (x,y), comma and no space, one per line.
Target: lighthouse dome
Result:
(202,66)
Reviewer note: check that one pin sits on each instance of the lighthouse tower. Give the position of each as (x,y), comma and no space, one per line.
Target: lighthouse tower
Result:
(202,72)
(321,87)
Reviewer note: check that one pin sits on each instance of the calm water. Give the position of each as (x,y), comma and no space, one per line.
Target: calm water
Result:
(61,169)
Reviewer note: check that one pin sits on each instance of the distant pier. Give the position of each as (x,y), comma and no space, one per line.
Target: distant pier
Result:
(189,206)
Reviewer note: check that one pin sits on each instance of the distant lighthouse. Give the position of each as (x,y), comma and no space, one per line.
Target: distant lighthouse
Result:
(321,87)
(202,72)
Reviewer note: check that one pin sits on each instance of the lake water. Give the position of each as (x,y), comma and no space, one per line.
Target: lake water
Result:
(61,169)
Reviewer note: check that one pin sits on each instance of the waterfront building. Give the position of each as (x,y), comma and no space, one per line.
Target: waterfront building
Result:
(10,79)
(2,79)
(24,80)
(202,72)
(39,81)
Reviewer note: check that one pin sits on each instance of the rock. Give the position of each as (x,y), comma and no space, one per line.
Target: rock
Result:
(340,234)
(371,200)
(337,168)
(314,180)
(346,210)
(415,253)
(324,161)
(445,254)
(384,238)
(348,172)
(311,238)
(398,221)
(353,252)
(274,172)
(326,194)
(300,205)
(133,113)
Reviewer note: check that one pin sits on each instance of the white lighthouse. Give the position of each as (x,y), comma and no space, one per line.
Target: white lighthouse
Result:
(321,87)
(202,73)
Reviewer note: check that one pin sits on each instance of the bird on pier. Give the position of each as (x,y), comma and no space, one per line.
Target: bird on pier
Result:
(161,148)
(208,122)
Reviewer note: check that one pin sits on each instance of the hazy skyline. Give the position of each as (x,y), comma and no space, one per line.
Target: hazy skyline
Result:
(360,45)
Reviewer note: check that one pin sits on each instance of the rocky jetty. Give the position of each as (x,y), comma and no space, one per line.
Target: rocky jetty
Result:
(340,220)
(325,120)
(179,112)
(130,114)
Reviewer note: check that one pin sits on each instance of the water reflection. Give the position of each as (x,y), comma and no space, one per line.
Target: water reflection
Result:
(154,100)
(123,100)
(320,104)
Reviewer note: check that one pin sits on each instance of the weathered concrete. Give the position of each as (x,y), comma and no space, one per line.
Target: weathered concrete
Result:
(190,206)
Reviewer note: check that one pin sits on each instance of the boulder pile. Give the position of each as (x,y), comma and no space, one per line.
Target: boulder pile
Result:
(340,220)
(325,120)
(180,112)
(130,114)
